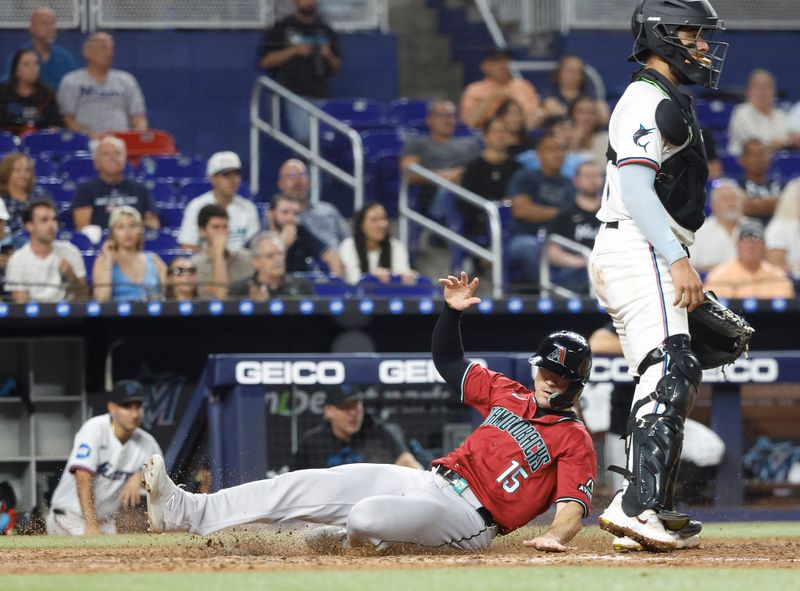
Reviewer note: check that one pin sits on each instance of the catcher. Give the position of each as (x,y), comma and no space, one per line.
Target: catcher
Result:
(653,204)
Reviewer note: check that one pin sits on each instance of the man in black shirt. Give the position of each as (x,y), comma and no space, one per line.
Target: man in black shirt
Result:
(488,175)
(577,222)
(96,199)
(302,52)
(303,249)
(350,436)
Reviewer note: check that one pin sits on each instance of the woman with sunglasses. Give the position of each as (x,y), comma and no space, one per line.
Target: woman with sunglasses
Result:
(181,280)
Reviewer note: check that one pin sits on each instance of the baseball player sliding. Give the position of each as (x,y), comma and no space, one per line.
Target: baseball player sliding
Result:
(653,203)
(530,451)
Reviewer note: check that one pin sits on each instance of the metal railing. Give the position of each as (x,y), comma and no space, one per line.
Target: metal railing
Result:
(549,65)
(406,214)
(311,154)
(547,286)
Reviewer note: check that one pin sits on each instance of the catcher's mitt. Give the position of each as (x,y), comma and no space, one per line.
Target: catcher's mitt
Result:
(719,336)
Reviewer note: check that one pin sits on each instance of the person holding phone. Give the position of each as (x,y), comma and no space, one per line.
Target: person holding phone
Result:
(123,271)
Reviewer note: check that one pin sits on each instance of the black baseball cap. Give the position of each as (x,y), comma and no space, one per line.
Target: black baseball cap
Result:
(127,392)
(340,394)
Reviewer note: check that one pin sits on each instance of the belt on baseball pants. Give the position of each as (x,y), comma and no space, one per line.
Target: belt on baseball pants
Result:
(460,485)
(611,225)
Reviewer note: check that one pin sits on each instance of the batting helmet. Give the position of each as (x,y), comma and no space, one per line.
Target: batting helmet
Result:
(654,26)
(568,355)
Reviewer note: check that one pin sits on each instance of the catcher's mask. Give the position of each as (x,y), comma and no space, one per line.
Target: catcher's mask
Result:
(655,25)
(568,355)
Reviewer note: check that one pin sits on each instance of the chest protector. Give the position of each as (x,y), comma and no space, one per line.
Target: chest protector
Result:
(681,182)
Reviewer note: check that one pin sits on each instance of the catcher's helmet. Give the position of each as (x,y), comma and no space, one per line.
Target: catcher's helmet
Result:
(654,26)
(568,355)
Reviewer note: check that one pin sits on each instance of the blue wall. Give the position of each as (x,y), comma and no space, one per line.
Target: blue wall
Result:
(197,84)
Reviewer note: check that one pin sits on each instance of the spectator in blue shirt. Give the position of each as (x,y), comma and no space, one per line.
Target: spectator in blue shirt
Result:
(536,197)
(55,61)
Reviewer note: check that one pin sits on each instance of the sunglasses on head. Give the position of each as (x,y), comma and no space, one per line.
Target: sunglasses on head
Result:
(183,271)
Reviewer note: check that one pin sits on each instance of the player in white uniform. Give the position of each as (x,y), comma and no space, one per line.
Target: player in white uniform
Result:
(652,204)
(104,472)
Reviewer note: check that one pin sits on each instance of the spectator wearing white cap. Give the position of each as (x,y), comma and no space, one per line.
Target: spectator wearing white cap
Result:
(225,173)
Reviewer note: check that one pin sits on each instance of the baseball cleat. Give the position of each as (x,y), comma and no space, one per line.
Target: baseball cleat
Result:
(626,544)
(327,539)
(689,537)
(645,528)
(161,494)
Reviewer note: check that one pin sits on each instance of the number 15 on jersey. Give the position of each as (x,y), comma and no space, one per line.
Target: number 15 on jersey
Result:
(509,477)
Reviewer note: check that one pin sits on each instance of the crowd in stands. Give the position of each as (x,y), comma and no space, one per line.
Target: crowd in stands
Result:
(125,230)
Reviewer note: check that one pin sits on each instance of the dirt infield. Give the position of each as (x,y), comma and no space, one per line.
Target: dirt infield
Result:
(257,548)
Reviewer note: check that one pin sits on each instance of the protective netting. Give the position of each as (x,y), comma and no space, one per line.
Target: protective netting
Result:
(16,14)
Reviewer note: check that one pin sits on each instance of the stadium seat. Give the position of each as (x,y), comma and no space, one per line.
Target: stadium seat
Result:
(326,285)
(56,143)
(44,166)
(731,167)
(787,166)
(714,114)
(62,192)
(176,168)
(377,142)
(370,286)
(79,240)
(159,240)
(162,192)
(77,167)
(8,142)
(408,112)
(358,113)
(190,189)
(150,142)
(171,215)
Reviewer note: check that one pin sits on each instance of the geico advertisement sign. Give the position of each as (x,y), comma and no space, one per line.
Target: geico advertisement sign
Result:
(760,370)
(306,373)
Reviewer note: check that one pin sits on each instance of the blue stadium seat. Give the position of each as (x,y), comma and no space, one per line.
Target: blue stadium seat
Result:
(358,113)
(171,215)
(326,285)
(62,192)
(370,286)
(8,142)
(44,166)
(57,143)
(162,192)
(77,167)
(176,168)
(160,240)
(714,114)
(190,189)
(88,259)
(787,166)
(377,142)
(408,112)
(731,167)
(78,240)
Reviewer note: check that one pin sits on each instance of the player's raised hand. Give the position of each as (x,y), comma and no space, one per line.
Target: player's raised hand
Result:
(459,292)
(546,543)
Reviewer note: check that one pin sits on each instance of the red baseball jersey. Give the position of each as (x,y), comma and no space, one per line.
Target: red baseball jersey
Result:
(516,463)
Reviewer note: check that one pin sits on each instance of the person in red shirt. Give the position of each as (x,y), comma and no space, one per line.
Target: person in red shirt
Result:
(531,451)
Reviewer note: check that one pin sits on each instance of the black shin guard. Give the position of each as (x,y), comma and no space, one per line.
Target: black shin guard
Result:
(655,439)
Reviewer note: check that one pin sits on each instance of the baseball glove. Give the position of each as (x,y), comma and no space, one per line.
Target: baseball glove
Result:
(719,336)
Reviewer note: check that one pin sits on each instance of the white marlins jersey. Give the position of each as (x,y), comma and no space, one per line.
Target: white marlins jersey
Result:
(634,135)
(97,450)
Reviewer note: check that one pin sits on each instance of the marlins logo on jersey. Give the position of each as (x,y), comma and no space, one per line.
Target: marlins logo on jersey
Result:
(640,134)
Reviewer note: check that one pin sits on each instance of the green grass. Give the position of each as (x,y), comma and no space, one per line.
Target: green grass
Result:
(534,578)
